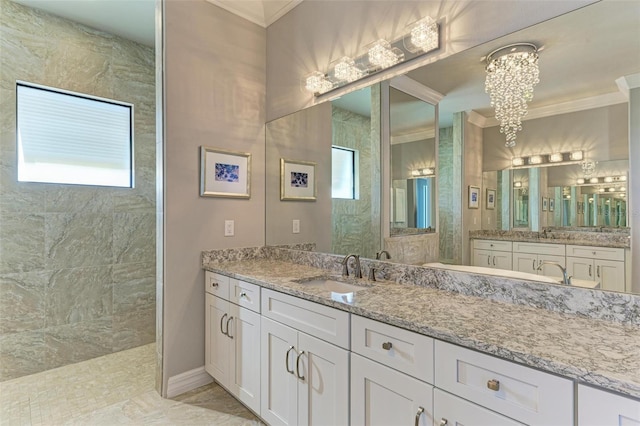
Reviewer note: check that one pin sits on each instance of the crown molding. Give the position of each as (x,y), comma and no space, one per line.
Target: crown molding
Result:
(412,137)
(255,11)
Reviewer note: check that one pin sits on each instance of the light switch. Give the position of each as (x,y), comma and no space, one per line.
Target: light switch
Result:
(229,228)
(296,226)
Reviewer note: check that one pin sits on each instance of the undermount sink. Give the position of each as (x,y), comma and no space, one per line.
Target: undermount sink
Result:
(338,291)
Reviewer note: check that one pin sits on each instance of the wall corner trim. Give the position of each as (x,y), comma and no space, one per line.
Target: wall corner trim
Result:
(187,381)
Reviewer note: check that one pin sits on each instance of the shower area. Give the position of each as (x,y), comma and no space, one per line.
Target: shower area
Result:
(77,263)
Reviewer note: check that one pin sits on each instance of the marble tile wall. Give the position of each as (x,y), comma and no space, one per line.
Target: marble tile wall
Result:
(413,249)
(77,263)
(356,223)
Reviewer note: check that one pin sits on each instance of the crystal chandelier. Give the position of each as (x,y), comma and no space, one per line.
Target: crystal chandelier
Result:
(512,73)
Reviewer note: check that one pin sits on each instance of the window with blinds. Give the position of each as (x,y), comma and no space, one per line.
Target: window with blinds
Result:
(71,138)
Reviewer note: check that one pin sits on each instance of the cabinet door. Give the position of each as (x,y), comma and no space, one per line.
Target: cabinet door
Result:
(244,380)
(482,258)
(610,274)
(450,410)
(217,344)
(279,385)
(581,268)
(596,408)
(323,385)
(502,260)
(525,262)
(381,396)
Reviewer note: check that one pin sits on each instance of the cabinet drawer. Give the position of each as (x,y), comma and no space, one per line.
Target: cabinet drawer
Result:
(539,248)
(451,410)
(493,245)
(245,294)
(216,284)
(597,407)
(323,322)
(522,393)
(600,253)
(403,350)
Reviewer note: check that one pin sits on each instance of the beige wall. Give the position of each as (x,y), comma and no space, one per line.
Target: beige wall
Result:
(215,95)
(77,263)
(316,33)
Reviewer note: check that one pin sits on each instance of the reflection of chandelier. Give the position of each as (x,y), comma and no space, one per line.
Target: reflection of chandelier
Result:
(512,73)
(588,167)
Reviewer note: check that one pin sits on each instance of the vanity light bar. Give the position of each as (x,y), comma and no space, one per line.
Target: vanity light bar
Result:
(424,172)
(546,160)
(606,180)
(419,38)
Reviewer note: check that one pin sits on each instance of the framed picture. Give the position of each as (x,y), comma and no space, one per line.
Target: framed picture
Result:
(224,173)
(545,204)
(297,180)
(552,204)
(474,197)
(491,199)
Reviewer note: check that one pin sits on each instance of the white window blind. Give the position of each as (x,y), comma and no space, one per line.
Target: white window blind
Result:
(71,138)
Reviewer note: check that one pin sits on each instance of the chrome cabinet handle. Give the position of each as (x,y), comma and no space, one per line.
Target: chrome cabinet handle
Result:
(533,265)
(298,365)
(286,360)
(488,260)
(590,270)
(418,414)
(444,422)
(387,346)
(598,271)
(228,334)
(494,385)
(494,261)
(221,321)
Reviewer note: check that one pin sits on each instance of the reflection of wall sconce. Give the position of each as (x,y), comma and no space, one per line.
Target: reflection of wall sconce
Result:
(601,180)
(423,172)
(517,184)
(546,160)
(419,38)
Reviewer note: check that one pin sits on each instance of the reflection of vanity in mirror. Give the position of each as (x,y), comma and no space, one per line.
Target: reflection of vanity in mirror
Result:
(411,183)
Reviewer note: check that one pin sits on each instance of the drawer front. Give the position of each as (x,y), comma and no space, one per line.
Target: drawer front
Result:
(405,351)
(539,248)
(600,253)
(524,394)
(597,407)
(492,245)
(245,294)
(323,322)
(216,284)
(451,410)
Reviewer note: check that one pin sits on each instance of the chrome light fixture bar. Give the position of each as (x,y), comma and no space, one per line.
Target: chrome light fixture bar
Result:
(601,181)
(546,160)
(512,73)
(420,37)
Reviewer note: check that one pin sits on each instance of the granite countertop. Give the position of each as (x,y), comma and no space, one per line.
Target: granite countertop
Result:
(597,239)
(592,351)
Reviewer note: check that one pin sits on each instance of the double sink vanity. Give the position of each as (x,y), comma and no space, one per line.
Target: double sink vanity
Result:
(297,342)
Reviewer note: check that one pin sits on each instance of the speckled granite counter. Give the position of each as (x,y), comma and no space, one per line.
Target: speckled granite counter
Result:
(618,239)
(594,351)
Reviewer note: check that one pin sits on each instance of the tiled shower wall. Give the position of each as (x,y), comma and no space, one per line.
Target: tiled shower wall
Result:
(77,263)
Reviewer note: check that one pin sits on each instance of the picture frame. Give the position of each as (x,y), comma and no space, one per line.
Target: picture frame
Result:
(552,204)
(224,173)
(474,197)
(545,204)
(297,180)
(491,199)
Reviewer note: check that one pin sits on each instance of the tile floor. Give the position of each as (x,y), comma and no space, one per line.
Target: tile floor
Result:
(116,389)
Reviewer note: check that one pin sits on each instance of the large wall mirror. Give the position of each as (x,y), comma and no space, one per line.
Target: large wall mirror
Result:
(578,105)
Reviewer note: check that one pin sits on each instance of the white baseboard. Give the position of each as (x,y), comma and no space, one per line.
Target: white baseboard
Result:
(187,381)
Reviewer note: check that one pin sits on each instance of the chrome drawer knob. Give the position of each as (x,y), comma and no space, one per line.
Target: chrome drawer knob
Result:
(214,284)
(444,422)
(387,346)
(243,294)
(494,385)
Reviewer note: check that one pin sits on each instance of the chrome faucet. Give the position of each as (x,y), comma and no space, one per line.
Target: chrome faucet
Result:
(380,253)
(345,266)
(565,278)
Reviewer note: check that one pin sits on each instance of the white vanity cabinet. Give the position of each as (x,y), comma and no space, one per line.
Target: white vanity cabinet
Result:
(527,257)
(597,407)
(492,254)
(512,390)
(232,337)
(602,264)
(305,362)
(391,375)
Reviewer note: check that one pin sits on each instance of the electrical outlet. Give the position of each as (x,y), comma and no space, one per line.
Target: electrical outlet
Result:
(229,228)
(296,226)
